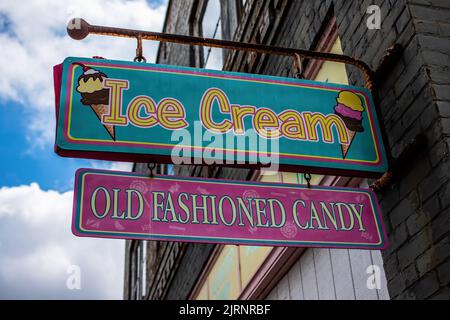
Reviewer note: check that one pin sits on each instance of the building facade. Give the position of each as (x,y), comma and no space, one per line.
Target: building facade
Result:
(413,94)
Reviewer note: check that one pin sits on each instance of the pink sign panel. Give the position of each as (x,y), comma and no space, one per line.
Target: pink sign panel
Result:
(127,205)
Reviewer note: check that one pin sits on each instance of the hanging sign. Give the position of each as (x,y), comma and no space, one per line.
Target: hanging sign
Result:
(116,110)
(133,206)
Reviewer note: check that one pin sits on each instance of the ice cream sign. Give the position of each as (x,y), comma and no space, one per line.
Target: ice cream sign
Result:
(116,110)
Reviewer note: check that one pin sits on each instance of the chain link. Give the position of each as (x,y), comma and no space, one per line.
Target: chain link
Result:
(307,177)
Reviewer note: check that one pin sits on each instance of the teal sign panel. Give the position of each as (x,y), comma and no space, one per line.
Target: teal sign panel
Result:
(119,110)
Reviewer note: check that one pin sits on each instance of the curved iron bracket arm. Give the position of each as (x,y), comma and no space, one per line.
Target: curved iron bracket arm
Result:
(79,29)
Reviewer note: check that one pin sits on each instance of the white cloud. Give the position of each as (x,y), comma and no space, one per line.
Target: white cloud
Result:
(121,166)
(36,243)
(209,25)
(37,248)
(34,39)
(107,165)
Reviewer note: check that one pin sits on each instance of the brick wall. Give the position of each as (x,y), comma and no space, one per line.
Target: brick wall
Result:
(414,98)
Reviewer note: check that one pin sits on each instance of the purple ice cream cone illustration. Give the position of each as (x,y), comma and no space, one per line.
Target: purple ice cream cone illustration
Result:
(350,109)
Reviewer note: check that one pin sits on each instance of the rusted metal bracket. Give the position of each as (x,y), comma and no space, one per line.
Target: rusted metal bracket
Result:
(151,167)
(79,29)
(139,51)
(401,164)
(391,56)
(298,69)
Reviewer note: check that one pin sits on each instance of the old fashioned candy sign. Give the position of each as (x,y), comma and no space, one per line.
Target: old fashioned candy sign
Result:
(116,110)
(132,206)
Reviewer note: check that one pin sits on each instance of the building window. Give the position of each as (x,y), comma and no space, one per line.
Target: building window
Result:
(231,271)
(144,268)
(217,19)
(243,7)
(328,71)
(139,270)
(211,27)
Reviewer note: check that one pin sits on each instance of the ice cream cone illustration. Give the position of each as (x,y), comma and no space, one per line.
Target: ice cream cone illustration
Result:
(349,107)
(90,86)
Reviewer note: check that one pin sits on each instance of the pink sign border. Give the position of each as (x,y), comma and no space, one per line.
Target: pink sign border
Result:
(79,231)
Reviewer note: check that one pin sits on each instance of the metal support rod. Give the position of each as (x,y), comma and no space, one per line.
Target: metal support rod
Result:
(298,70)
(79,29)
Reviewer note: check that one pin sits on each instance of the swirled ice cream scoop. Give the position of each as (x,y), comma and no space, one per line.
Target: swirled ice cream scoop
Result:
(349,107)
(90,86)
(347,112)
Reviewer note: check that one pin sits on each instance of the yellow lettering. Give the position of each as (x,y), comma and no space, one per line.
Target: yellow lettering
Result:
(171,114)
(237,114)
(134,109)
(314,121)
(116,87)
(292,126)
(266,119)
(210,96)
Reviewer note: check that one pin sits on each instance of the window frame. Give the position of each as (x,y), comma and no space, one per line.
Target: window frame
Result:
(138,270)
(205,51)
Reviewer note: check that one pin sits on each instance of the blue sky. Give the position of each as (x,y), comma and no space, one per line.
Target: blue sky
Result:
(37,249)
(23,163)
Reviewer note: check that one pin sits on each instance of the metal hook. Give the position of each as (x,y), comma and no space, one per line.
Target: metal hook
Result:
(298,70)
(151,167)
(307,177)
(211,169)
(139,50)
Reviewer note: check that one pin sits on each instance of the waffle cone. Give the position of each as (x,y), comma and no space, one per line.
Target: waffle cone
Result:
(351,135)
(100,110)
